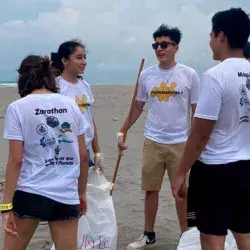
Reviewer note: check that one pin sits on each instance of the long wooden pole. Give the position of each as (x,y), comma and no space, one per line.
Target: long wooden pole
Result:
(126,125)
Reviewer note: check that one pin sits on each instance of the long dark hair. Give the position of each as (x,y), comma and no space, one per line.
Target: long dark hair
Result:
(35,72)
(64,51)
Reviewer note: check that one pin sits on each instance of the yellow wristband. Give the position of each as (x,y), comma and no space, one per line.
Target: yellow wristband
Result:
(6,207)
(98,155)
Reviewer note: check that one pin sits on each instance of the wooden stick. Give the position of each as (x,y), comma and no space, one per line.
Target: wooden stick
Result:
(126,125)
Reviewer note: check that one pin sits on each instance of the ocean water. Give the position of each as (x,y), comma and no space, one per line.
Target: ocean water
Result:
(7,84)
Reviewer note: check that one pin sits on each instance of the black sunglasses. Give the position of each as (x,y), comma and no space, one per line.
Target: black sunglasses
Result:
(163,45)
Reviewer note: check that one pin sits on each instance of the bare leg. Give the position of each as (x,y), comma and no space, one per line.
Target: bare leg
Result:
(64,234)
(25,229)
(242,240)
(151,207)
(212,242)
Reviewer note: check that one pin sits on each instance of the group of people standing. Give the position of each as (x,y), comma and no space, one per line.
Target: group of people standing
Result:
(202,125)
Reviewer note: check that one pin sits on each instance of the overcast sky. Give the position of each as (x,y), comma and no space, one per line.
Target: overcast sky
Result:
(117,33)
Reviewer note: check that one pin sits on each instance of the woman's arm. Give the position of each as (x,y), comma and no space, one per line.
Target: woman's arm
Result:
(13,169)
(95,142)
(83,178)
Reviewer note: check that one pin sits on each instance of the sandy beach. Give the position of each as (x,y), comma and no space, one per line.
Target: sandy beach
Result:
(110,109)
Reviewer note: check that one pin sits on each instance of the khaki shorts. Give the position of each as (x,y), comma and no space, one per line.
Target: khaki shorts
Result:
(156,159)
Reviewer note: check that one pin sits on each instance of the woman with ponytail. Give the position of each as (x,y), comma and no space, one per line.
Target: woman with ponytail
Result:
(70,63)
(47,167)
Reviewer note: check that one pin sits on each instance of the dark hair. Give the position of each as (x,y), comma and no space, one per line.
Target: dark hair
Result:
(235,24)
(174,33)
(64,51)
(246,50)
(35,72)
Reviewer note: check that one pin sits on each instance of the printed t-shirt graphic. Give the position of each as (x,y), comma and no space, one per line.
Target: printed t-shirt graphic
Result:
(82,94)
(224,97)
(82,103)
(168,119)
(48,125)
(163,93)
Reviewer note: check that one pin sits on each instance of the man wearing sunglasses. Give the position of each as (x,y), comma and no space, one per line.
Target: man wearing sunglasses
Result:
(170,89)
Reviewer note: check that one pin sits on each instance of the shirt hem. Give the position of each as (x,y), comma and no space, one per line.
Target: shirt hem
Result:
(166,142)
(68,202)
(220,162)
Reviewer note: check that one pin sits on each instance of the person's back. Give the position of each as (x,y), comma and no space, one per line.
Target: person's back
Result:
(218,149)
(47,170)
(49,130)
(246,51)
(229,140)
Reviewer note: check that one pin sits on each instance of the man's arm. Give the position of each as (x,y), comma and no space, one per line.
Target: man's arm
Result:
(141,99)
(133,117)
(193,107)
(130,120)
(197,141)
(194,92)
(206,115)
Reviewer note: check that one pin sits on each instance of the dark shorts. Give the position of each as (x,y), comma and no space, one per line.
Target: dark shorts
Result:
(28,205)
(219,198)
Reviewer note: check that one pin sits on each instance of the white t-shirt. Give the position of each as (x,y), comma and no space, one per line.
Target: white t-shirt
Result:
(169,94)
(82,94)
(48,125)
(225,97)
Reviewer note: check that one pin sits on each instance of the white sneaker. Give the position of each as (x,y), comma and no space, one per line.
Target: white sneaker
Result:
(142,243)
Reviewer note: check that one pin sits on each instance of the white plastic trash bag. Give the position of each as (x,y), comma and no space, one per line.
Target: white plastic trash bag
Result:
(98,228)
(190,240)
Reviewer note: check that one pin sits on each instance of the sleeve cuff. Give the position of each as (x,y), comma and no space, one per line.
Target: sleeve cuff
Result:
(141,99)
(83,130)
(11,137)
(207,117)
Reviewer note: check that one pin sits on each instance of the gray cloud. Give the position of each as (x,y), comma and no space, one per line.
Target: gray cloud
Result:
(117,33)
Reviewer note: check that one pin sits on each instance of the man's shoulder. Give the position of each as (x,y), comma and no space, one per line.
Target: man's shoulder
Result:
(149,70)
(216,70)
(186,69)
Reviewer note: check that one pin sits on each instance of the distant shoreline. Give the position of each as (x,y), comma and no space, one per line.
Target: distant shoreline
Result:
(14,84)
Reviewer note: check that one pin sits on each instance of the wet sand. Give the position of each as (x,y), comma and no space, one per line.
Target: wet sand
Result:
(110,109)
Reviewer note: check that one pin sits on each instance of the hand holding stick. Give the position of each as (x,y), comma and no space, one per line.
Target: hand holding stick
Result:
(126,127)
